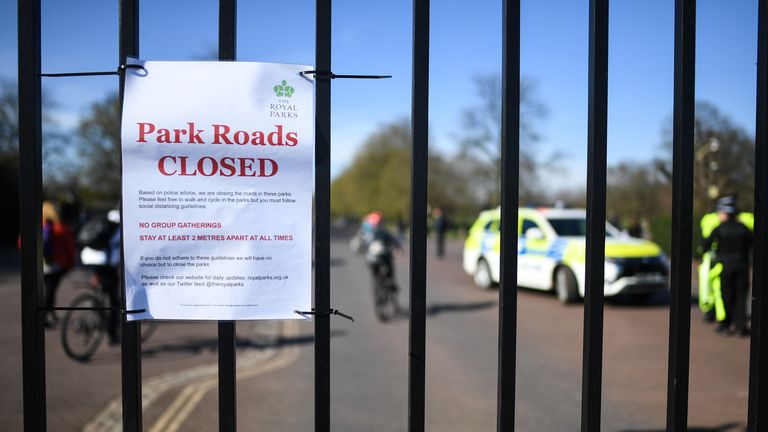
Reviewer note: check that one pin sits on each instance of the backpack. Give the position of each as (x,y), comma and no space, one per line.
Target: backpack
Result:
(96,233)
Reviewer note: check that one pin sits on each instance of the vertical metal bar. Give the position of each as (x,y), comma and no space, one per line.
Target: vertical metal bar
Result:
(418,259)
(757,417)
(323,217)
(592,366)
(682,215)
(227,30)
(510,179)
(131,330)
(31,191)
(227,329)
(227,377)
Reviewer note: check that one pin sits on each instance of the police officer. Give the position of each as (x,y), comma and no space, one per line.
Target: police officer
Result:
(732,241)
(710,299)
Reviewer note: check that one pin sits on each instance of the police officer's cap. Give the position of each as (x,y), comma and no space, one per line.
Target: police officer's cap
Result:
(727,204)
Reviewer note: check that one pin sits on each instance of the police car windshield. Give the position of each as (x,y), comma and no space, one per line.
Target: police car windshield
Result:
(576,227)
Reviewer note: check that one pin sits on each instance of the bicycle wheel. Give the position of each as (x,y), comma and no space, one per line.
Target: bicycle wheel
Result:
(393,298)
(83,330)
(386,301)
(379,297)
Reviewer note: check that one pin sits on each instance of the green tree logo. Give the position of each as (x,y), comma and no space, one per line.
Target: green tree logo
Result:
(283,90)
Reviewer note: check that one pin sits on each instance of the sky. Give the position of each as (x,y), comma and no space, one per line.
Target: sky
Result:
(375,38)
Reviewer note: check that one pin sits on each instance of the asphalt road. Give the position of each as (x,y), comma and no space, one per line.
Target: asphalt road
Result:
(369,365)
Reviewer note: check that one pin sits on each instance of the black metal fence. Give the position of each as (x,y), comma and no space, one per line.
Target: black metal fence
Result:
(682,222)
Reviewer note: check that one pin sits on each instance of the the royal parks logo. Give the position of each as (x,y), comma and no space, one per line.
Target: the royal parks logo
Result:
(284,90)
(283,108)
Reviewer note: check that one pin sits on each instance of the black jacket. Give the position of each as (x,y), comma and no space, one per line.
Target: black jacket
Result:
(733,242)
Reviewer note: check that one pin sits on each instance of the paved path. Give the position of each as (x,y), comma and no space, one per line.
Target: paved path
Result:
(369,366)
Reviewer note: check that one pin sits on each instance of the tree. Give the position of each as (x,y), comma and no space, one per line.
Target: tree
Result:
(481,137)
(53,156)
(9,161)
(638,193)
(723,158)
(9,118)
(450,190)
(723,165)
(379,178)
(635,190)
(99,151)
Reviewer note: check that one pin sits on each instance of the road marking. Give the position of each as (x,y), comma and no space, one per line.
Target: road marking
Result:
(181,408)
(249,364)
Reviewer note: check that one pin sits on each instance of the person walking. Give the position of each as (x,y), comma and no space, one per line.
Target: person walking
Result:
(440,225)
(731,242)
(58,254)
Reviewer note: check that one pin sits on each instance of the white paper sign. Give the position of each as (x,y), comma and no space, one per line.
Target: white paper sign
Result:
(217,190)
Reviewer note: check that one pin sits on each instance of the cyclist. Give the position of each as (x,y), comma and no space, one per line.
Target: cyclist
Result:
(379,251)
(361,239)
(104,258)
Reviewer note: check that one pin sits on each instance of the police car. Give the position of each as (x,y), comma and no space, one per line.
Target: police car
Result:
(551,255)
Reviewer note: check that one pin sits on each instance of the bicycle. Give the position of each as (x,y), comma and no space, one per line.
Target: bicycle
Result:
(384,291)
(87,319)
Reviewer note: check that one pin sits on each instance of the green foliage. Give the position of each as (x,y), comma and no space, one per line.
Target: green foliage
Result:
(636,191)
(661,230)
(450,189)
(379,178)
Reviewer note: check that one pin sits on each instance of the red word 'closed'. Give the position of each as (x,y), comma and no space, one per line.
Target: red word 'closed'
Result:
(225,167)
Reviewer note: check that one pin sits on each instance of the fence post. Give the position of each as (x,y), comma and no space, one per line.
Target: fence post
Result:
(592,369)
(31,191)
(323,217)
(757,417)
(510,199)
(418,246)
(131,330)
(682,219)
(227,340)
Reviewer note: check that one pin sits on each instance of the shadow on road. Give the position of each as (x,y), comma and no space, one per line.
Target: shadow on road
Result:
(650,300)
(439,308)
(728,427)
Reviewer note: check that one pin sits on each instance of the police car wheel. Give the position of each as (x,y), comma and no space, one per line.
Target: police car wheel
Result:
(565,285)
(482,275)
